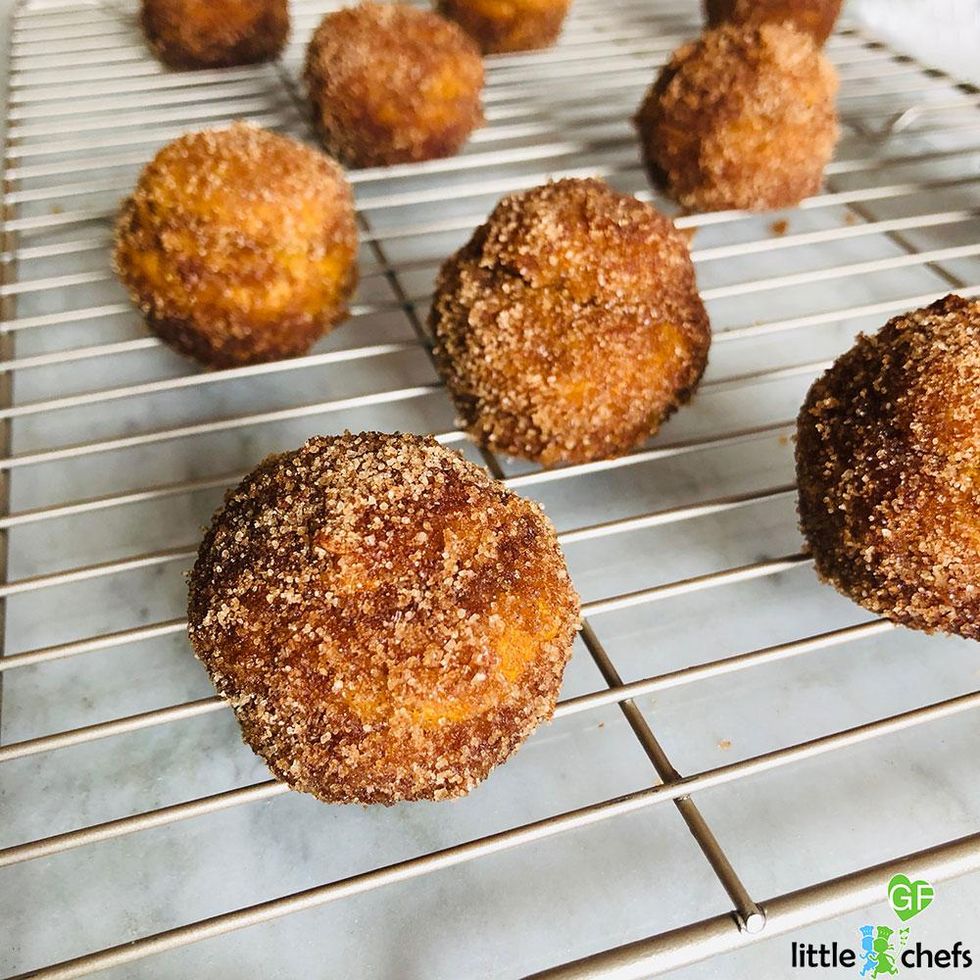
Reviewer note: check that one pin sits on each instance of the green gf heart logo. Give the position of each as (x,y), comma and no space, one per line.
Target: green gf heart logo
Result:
(908,898)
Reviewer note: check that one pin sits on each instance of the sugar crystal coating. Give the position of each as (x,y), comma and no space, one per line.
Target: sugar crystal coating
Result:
(743,117)
(390,83)
(239,245)
(569,326)
(388,622)
(888,466)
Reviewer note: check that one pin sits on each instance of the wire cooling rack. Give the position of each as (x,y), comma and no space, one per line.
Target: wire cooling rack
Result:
(810,751)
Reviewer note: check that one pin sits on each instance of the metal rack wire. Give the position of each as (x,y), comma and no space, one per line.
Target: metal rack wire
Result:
(98,416)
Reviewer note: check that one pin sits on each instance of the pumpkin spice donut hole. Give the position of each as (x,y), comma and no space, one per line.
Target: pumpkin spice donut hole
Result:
(501,26)
(239,245)
(814,17)
(742,118)
(387,621)
(393,84)
(888,468)
(570,326)
(215,33)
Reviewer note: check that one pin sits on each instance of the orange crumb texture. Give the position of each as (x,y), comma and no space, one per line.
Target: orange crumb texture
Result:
(743,117)
(215,33)
(888,465)
(499,26)
(569,327)
(388,622)
(393,84)
(228,265)
(814,17)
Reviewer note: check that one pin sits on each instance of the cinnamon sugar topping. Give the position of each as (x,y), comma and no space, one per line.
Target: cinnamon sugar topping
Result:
(387,621)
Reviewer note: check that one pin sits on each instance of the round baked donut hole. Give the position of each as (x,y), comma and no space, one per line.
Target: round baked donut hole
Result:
(888,467)
(813,17)
(742,118)
(239,245)
(569,327)
(215,33)
(393,84)
(512,25)
(387,621)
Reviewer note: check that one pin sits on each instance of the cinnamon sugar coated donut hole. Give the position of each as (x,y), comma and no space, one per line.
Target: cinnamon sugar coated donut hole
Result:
(888,465)
(215,33)
(393,84)
(239,245)
(387,621)
(742,118)
(814,17)
(499,26)
(569,326)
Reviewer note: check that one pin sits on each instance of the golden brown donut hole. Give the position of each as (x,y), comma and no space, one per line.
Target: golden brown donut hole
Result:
(888,468)
(569,326)
(500,26)
(388,622)
(229,265)
(215,33)
(814,17)
(743,117)
(393,84)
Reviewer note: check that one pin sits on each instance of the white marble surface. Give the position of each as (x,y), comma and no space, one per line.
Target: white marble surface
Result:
(944,33)
(531,908)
